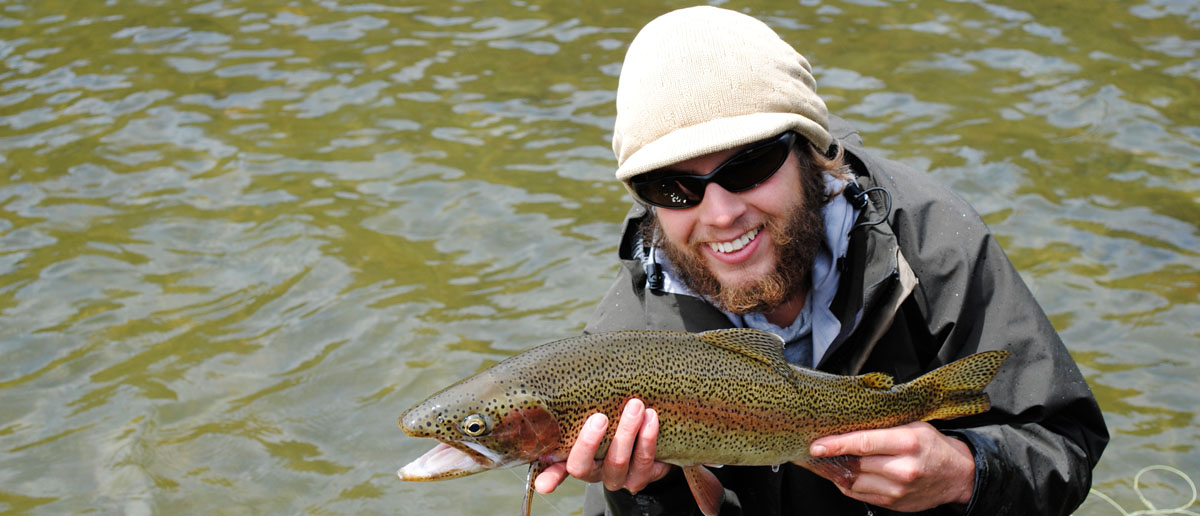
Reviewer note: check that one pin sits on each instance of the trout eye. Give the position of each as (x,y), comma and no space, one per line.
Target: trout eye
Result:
(474,425)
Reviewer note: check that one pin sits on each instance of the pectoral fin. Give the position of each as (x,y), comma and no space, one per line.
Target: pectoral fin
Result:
(705,488)
(535,468)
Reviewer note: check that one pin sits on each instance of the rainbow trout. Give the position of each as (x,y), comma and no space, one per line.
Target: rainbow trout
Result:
(722,397)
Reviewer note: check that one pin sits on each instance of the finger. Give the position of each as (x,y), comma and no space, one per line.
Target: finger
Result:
(549,480)
(642,468)
(877,485)
(899,469)
(616,462)
(581,462)
(853,443)
(887,441)
(875,490)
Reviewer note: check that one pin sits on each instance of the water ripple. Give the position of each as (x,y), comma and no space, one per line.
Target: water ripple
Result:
(236,239)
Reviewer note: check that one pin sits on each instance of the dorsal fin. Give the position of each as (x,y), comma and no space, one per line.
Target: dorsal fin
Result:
(760,345)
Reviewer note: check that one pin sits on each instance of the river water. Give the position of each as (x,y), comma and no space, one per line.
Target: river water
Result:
(238,238)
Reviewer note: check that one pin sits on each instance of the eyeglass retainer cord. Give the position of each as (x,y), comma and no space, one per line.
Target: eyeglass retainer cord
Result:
(859,198)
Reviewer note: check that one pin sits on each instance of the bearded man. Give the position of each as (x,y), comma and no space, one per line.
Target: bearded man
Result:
(756,208)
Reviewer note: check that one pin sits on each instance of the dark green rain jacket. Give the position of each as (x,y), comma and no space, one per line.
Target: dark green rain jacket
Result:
(1034,450)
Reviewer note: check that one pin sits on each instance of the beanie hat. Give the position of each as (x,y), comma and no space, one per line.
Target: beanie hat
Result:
(705,79)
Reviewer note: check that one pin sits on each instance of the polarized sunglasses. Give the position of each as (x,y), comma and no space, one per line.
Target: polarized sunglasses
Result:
(743,171)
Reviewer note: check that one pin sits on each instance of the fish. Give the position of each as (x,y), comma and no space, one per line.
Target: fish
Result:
(723,397)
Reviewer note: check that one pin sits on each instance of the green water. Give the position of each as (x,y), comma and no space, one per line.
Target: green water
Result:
(238,238)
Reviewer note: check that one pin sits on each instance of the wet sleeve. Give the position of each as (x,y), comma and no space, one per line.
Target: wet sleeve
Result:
(1052,477)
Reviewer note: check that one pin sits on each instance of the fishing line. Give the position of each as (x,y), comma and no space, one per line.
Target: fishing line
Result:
(1151,510)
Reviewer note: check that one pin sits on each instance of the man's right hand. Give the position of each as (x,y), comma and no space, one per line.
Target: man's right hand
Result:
(629,463)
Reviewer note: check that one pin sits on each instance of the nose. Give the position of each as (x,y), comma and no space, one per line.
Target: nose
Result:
(720,208)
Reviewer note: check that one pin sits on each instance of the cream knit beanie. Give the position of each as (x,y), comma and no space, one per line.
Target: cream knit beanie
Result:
(705,79)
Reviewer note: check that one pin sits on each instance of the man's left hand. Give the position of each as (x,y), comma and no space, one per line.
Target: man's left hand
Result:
(907,468)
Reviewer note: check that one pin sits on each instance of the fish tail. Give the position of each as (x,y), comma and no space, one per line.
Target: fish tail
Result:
(958,386)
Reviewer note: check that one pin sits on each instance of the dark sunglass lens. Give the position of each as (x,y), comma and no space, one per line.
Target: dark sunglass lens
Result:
(753,166)
(743,171)
(671,191)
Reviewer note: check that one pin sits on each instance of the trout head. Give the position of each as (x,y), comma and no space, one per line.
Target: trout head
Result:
(482,423)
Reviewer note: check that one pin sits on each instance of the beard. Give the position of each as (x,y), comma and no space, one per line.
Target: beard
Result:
(797,238)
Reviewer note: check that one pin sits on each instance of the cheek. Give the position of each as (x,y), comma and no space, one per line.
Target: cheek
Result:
(779,195)
(676,224)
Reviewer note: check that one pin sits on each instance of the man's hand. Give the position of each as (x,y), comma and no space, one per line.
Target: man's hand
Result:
(907,468)
(629,463)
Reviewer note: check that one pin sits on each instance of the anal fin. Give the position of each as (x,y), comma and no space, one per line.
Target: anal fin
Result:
(706,489)
(842,470)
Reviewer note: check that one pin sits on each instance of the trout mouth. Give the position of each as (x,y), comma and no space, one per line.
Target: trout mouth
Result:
(449,460)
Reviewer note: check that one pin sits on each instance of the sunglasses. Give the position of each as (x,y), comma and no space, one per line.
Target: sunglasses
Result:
(743,171)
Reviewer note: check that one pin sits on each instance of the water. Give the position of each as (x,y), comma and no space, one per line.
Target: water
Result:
(238,238)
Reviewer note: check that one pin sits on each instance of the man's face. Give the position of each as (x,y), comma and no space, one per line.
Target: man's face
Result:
(750,251)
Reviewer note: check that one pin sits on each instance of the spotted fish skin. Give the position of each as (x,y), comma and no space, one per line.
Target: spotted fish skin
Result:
(722,397)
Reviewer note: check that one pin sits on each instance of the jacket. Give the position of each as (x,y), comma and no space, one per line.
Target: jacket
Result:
(926,286)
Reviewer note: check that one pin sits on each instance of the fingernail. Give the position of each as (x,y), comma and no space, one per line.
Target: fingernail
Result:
(819,451)
(598,422)
(632,408)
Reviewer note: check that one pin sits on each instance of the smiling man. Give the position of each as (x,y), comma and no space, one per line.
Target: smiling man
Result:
(746,248)
(756,208)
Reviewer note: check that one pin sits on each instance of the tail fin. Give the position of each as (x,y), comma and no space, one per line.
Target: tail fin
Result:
(958,386)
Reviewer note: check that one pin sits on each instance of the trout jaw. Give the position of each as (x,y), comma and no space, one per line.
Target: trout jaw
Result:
(451,458)
(446,460)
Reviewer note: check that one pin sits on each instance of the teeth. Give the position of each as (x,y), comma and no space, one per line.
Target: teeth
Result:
(734,245)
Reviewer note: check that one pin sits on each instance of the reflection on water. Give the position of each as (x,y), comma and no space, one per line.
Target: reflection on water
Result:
(238,238)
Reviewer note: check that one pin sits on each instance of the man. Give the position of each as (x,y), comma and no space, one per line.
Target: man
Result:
(758,209)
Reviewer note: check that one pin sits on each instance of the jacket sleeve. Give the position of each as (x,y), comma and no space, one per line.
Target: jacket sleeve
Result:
(1035,450)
